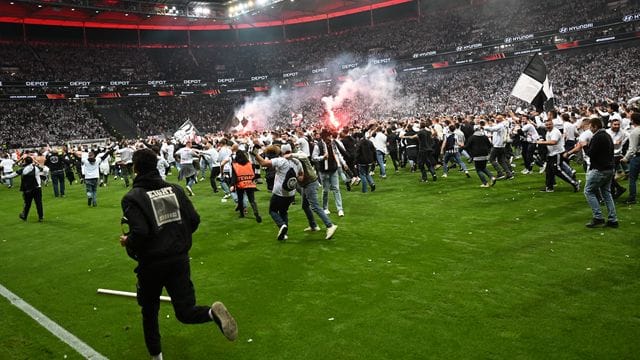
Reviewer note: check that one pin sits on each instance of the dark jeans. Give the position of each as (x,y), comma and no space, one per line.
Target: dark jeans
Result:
(279,209)
(634,170)
(498,158)
(426,159)
(215,173)
(57,178)
(394,159)
(528,149)
(252,200)
(29,196)
(175,276)
(482,171)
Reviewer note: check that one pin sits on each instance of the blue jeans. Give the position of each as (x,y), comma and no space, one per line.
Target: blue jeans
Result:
(481,170)
(600,182)
(380,158)
(57,179)
(634,169)
(310,205)
(456,158)
(365,177)
(330,182)
(92,187)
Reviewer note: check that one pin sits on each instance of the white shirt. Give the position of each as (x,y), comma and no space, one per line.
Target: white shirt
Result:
(585,139)
(303,145)
(380,142)
(570,131)
(7,165)
(499,131)
(186,155)
(558,148)
(530,133)
(618,139)
(281,166)
(91,171)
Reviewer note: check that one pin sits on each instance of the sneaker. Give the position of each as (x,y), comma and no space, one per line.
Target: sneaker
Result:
(326,211)
(340,213)
(315,228)
(546,190)
(493,181)
(501,177)
(511,177)
(157,357)
(228,324)
(595,223)
(282,233)
(434,178)
(331,231)
(224,200)
(619,193)
(383,176)
(525,172)
(612,224)
(485,185)
(258,219)
(444,175)
(466,173)
(373,187)
(543,168)
(189,190)
(22,217)
(576,187)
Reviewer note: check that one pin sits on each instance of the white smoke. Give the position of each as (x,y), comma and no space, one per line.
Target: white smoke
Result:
(369,92)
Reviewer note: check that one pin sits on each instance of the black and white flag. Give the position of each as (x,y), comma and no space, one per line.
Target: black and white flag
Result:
(533,86)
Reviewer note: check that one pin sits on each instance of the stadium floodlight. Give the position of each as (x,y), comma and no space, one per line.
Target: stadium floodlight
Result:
(262,2)
(250,3)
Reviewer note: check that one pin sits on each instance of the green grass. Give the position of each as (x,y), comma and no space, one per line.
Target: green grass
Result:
(442,270)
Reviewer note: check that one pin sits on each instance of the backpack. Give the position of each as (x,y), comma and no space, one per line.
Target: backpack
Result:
(290,182)
(450,142)
(310,174)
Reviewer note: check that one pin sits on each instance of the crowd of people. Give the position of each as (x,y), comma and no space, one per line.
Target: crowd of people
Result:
(27,124)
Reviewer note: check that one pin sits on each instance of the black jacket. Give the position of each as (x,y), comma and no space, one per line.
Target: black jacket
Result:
(365,152)
(600,151)
(161,220)
(478,146)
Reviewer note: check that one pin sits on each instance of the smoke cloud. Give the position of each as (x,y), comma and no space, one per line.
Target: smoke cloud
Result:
(365,93)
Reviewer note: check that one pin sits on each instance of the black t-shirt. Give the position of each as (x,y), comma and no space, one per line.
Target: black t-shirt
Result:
(425,140)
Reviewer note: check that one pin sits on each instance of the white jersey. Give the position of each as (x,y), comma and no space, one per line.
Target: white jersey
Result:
(585,139)
(558,148)
(7,165)
(281,166)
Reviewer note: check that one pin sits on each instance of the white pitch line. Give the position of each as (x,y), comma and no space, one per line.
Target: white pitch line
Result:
(78,345)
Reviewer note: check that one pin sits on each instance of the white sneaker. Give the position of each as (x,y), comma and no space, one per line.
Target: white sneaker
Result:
(331,231)
(228,324)
(525,172)
(543,168)
(315,228)
(189,190)
(340,213)
(224,200)
(157,357)
(282,233)
(444,175)
(326,211)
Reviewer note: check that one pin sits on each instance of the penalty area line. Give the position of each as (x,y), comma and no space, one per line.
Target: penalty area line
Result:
(78,345)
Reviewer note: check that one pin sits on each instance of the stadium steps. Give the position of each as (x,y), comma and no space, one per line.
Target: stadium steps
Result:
(115,116)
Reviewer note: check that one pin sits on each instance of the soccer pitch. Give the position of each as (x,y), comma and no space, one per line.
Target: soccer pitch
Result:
(442,270)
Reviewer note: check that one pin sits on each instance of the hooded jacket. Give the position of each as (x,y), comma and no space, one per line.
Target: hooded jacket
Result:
(161,220)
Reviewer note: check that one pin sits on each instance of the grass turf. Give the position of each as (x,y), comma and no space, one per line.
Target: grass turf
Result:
(437,270)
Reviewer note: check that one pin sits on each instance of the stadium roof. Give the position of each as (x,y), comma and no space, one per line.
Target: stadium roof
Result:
(181,14)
